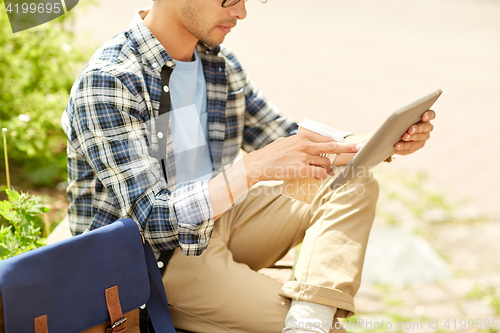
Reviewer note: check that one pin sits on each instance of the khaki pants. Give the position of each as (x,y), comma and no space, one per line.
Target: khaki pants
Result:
(220,291)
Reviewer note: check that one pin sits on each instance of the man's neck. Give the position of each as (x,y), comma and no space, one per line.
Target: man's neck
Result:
(172,35)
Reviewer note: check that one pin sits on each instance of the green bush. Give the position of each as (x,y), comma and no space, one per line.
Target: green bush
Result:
(20,231)
(37,69)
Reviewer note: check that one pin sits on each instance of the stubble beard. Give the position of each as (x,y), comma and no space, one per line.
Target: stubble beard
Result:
(198,27)
(202,29)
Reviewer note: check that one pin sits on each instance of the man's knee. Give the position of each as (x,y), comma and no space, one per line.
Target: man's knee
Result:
(370,187)
(365,188)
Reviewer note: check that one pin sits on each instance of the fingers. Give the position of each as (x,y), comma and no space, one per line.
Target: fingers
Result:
(314,137)
(318,172)
(320,161)
(421,127)
(333,148)
(428,115)
(317,160)
(405,148)
(316,144)
(420,131)
(416,137)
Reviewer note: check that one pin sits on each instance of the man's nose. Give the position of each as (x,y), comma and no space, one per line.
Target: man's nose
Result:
(239,10)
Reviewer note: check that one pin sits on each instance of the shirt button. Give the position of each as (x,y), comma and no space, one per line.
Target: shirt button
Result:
(170,63)
(160,264)
(165,89)
(160,135)
(154,65)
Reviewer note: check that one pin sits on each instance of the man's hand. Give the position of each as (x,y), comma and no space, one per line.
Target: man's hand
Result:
(414,139)
(297,156)
(417,135)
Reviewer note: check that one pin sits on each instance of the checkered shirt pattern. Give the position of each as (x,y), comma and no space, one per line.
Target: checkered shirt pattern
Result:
(111,171)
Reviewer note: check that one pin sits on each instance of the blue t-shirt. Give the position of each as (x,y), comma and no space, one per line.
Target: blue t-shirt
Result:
(189,121)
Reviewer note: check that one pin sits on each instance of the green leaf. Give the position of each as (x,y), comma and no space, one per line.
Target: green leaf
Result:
(23,214)
(5,208)
(13,195)
(39,209)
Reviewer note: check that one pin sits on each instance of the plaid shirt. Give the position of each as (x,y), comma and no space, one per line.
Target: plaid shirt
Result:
(112,174)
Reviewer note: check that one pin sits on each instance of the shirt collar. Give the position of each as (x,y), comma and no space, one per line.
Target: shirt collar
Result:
(150,49)
(203,48)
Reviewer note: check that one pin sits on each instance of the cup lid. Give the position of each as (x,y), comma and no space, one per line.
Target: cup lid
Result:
(322,129)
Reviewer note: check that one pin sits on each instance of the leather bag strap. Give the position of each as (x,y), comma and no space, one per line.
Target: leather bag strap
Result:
(41,324)
(115,311)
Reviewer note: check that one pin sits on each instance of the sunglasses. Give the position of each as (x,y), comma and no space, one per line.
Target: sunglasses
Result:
(229,3)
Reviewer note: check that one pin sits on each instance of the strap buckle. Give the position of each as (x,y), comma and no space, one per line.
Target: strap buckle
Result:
(117,323)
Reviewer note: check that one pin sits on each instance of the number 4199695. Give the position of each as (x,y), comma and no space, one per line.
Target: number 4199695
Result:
(34,8)
(471,324)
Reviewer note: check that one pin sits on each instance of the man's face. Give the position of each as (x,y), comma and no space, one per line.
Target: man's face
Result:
(208,21)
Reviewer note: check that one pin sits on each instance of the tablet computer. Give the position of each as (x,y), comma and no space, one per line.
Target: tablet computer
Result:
(381,144)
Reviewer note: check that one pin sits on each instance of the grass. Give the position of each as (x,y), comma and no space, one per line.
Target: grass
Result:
(422,200)
(487,294)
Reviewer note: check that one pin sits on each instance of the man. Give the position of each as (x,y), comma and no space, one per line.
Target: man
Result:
(134,121)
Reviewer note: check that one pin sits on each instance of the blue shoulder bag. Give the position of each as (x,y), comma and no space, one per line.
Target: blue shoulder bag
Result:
(94,282)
